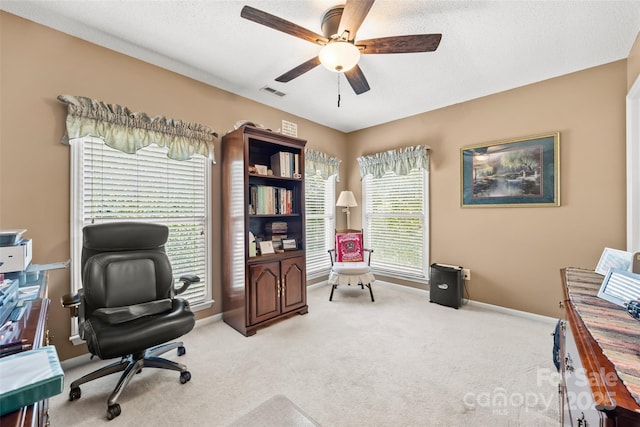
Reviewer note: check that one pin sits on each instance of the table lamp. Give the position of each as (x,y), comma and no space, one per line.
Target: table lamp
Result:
(347,200)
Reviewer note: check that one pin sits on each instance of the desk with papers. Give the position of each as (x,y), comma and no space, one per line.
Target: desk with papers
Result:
(30,328)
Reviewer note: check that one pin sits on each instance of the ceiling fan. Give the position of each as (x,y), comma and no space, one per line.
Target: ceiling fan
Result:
(341,51)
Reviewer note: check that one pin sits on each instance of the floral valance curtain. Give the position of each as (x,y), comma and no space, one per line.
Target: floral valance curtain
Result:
(319,162)
(130,131)
(401,161)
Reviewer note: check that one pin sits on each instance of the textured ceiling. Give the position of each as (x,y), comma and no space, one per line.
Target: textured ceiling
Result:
(487,47)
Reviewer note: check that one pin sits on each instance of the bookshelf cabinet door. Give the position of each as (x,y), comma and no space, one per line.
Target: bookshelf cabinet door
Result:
(263,292)
(294,293)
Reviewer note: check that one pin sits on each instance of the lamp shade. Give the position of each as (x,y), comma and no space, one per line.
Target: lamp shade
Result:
(339,56)
(346,199)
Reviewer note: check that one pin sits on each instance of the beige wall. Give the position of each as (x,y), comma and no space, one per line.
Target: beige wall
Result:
(37,65)
(633,63)
(514,253)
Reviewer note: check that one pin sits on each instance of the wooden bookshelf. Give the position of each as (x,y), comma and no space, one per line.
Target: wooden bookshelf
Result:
(260,289)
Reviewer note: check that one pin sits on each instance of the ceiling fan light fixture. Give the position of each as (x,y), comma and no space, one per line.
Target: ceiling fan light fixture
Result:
(339,56)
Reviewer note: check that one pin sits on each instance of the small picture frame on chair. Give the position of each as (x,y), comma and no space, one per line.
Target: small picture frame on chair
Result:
(289,244)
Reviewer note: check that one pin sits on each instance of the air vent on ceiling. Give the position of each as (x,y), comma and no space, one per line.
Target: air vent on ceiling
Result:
(272,91)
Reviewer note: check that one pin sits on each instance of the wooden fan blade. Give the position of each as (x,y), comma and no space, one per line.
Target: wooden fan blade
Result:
(299,70)
(356,79)
(352,16)
(401,44)
(272,21)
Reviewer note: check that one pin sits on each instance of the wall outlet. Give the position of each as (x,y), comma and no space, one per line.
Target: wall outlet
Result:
(466,274)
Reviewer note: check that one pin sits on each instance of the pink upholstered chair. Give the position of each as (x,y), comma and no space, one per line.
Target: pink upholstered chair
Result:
(350,262)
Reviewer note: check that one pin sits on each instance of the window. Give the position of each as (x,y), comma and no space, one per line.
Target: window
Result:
(395,210)
(110,185)
(320,222)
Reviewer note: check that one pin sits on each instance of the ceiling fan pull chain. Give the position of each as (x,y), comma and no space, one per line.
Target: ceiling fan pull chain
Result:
(339,90)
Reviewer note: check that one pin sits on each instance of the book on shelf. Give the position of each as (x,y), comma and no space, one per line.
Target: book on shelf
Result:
(277,243)
(276,231)
(285,164)
(268,200)
(276,227)
(280,164)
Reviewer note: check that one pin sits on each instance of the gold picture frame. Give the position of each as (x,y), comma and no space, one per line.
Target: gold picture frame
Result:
(519,172)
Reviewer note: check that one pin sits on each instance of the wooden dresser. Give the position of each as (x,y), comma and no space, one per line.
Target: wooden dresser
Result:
(593,393)
(32,327)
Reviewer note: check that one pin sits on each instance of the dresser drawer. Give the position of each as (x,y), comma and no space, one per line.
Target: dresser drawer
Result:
(578,404)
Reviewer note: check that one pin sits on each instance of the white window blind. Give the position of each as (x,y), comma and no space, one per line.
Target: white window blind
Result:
(320,222)
(111,185)
(396,223)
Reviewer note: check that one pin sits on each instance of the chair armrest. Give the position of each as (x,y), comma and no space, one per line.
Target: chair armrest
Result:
(369,256)
(72,302)
(187,279)
(332,255)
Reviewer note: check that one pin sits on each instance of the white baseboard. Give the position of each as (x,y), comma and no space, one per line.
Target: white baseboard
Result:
(208,320)
(317,285)
(513,312)
(498,308)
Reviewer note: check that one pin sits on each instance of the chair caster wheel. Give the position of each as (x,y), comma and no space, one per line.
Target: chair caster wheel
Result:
(74,394)
(113,411)
(185,377)
(182,351)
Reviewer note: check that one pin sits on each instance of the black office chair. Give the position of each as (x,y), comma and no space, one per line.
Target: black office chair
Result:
(126,306)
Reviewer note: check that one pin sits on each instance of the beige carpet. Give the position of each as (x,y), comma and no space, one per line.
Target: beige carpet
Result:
(399,361)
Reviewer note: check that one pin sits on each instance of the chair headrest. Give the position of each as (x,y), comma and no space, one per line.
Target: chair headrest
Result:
(124,236)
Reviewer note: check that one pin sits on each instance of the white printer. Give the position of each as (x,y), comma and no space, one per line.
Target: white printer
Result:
(15,252)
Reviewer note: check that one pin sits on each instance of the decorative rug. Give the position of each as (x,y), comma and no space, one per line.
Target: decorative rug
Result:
(617,333)
(276,412)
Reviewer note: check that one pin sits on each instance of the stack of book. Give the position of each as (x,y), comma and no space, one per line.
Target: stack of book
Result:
(268,200)
(278,231)
(285,164)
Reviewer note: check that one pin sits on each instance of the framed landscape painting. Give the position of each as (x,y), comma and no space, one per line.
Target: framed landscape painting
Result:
(512,173)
